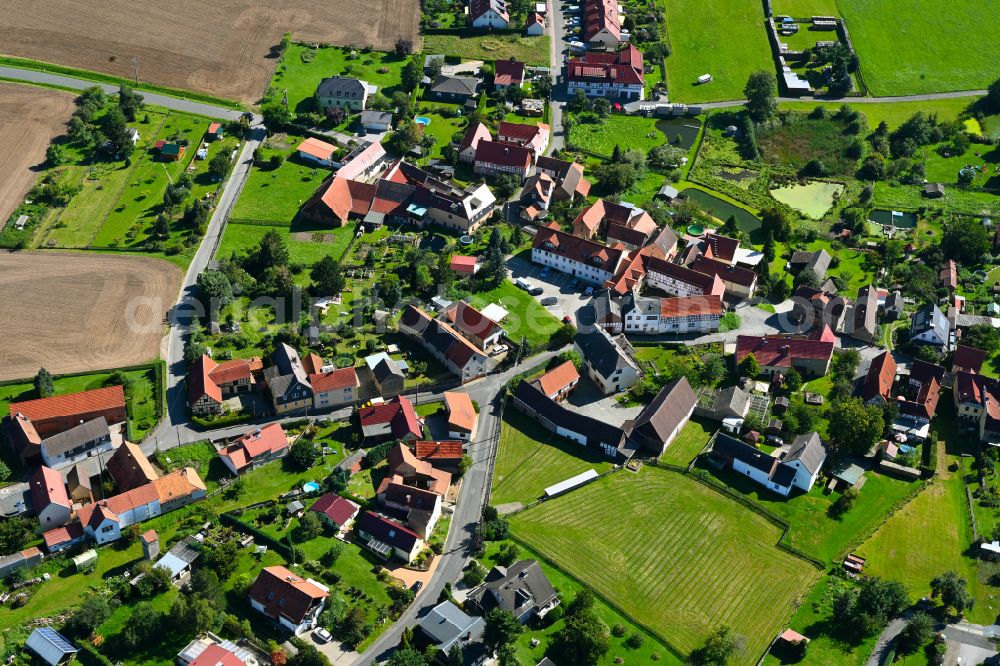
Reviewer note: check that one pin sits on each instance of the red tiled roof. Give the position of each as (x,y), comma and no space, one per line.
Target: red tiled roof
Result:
(447,449)
(398,412)
(878,381)
(461,411)
(316,148)
(463,264)
(473,135)
(149,536)
(721,247)
(735,274)
(282,593)
(216,655)
(691,306)
(345,197)
(503,154)
(336,508)
(71,404)
(779,352)
(623,67)
(61,535)
(466,318)
(234,370)
(519,133)
(200,381)
(214,127)
(333,380)
(558,378)
(577,249)
(48,487)
(708,283)
(508,72)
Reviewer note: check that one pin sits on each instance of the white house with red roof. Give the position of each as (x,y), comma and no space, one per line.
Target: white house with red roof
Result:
(463,265)
(446,344)
(462,417)
(387,538)
(534,26)
(290,600)
(681,314)
(495,158)
(489,14)
(395,419)
(617,76)
(777,354)
(210,383)
(533,137)
(334,388)
(335,511)
(255,448)
(49,498)
(584,259)
(508,73)
(470,142)
(472,324)
(317,152)
(602,25)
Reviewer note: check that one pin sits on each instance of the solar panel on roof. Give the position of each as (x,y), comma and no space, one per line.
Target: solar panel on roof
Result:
(56,639)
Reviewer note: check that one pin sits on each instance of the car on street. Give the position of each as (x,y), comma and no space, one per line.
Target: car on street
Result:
(322,635)
(549,300)
(545,273)
(567,319)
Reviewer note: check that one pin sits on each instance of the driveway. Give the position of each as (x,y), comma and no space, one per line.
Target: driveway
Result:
(554,285)
(970,644)
(587,399)
(334,650)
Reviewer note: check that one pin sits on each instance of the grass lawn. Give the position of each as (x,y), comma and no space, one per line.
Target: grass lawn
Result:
(651,650)
(527,316)
(276,195)
(956,200)
(893,113)
(442,127)
(304,247)
(627,132)
(802,139)
(918,46)
(76,225)
(688,443)
(719,37)
(478,46)
(673,552)
(302,68)
(806,8)
(530,459)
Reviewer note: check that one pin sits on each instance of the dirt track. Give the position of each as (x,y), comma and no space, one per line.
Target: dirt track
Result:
(29,118)
(73,311)
(218,47)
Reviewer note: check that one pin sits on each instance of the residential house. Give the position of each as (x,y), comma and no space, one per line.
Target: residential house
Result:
(508,73)
(417,508)
(678,280)
(88,439)
(210,383)
(463,265)
(335,511)
(818,307)
(577,427)
(387,373)
(720,248)
(376,121)
(739,281)
(918,395)
(681,314)
(629,224)
(558,383)
(59,539)
(335,388)
(601,25)
(407,469)
(130,468)
(288,381)
(495,158)
(338,200)
(49,416)
(436,201)
(344,92)
(606,360)
(568,176)
(534,25)
(446,626)
(894,305)
(533,137)
(818,262)
(475,327)
(49,498)
(664,417)
(462,418)
(390,420)
(489,14)
(797,469)
(602,310)
(729,405)
(446,344)
(255,448)
(522,589)
(210,650)
(445,454)
(967,359)
(387,538)
(876,389)
(584,259)
(777,354)
(291,601)
(617,76)
(475,133)
(861,321)
(50,646)
(455,89)
(949,275)
(930,326)
(24,559)
(317,152)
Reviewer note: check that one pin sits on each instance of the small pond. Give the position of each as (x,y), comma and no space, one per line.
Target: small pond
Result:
(680,132)
(812,200)
(895,218)
(720,209)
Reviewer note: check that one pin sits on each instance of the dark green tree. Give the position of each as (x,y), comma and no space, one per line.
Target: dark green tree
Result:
(130,102)
(413,72)
(143,623)
(219,166)
(917,633)
(502,628)
(43,384)
(719,648)
(407,657)
(760,95)
(216,286)
(327,277)
(89,615)
(303,454)
(953,592)
(965,240)
(117,133)
(854,426)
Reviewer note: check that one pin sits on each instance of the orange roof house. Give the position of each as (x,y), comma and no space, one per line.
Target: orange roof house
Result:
(559,382)
(50,416)
(314,150)
(255,448)
(446,453)
(285,597)
(464,265)
(462,417)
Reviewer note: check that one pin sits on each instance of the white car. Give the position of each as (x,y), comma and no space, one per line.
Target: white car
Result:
(322,635)
(577,46)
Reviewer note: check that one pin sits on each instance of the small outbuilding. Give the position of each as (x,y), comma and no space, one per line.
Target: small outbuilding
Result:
(51,647)
(85,560)
(934,190)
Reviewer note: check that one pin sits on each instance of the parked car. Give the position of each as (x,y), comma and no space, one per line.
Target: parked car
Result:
(549,300)
(545,272)
(577,46)
(573,283)
(322,635)
(416,586)
(588,291)
(535,291)
(567,319)
(774,440)
(523,284)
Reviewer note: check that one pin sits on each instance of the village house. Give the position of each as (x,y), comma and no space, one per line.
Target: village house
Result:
(409,470)
(130,468)
(49,498)
(211,383)
(447,626)
(678,280)
(568,177)
(533,137)
(558,383)
(334,388)
(813,307)
(534,25)
(584,259)
(818,262)
(930,326)
(738,281)
(454,89)
(949,275)
(461,413)
(522,589)
(777,354)
(798,468)
(861,321)
(337,512)
(444,454)
(447,345)
(602,310)
(682,314)
(602,28)
(386,421)
(344,92)
(418,509)
(255,448)
(617,223)
(386,538)
(387,373)
(90,438)
(489,14)
(210,650)
(463,265)
(317,152)
(536,197)
(608,364)
(508,73)
(474,133)
(495,158)
(967,359)
(376,121)
(475,327)
(288,381)
(663,418)
(617,76)
(292,602)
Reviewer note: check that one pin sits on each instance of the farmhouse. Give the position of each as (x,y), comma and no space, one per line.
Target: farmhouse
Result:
(682,314)
(88,439)
(603,310)
(376,121)
(815,307)
(617,76)
(558,383)
(967,359)
(533,137)
(628,224)
(418,509)
(317,152)
(454,89)
(495,158)
(444,454)
(737,280)
(776,354)
(818,262)
(446,344)
(607,362)
(387,538)
(390,420)
(387,373)
(568,176)
(798,468)
(678,280)
(522,589)
(475,327)
(930,326)
(210,383)
(288,381)
(584,259)
(489,14)
(130,468)
(292,602)
(255,448)
(508,73)
(343,92)
(406,468)
(602,25)
(335,511)
(49,498)
(861,321)
(658,423)
(50,416)
(334,388)
(462,417)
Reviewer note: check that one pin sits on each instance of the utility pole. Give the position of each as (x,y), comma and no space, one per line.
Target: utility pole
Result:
(135,69)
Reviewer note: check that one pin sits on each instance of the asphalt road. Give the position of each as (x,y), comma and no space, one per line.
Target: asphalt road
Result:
(175,103)
(558,45)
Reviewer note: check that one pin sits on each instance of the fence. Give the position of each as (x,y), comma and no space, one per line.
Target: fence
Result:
(260,223)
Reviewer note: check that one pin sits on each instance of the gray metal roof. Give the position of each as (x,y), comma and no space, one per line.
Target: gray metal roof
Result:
(809,450)
(85,433)
(446,624)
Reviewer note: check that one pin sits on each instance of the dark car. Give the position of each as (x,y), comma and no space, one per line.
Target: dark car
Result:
(416,587)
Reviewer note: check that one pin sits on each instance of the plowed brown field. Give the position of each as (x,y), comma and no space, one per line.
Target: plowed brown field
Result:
(219,47)
(29,118)
(74,312)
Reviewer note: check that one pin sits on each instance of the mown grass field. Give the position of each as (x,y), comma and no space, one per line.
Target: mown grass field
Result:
(527,317)
(675,553)
(530,459)
(627,132)
(893,113)
(908,47)
(276,195)
(330,241)
(688,443)
(478,46)
(719,37)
